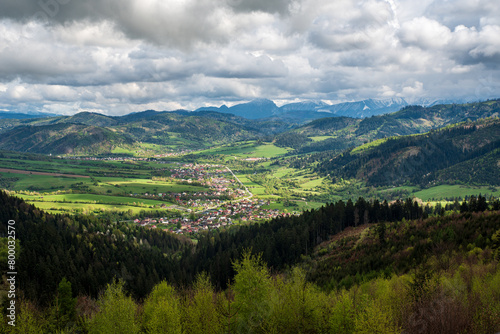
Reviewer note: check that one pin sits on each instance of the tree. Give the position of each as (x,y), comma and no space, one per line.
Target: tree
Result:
(376,319)
(65,303)
(162,312)
(252,286)
(199,313)
(296,306)
(381,229)
(116,312)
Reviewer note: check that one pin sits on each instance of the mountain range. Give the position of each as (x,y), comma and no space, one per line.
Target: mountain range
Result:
(298,112)
(305,111)
(92,133)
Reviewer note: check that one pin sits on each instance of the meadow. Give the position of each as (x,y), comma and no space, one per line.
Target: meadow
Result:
(119,185)
(452,191)
(248,149)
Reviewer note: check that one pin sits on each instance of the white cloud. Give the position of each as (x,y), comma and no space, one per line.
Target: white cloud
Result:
(425,33)
(119,56)
(413,91)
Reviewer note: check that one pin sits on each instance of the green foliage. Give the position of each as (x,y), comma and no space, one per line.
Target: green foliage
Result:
(117,312)
(162,312)
(252,286)
(296,306)
(375,319)
(66,312)
(200,314)
(495,238)
(28,319)
(343,312)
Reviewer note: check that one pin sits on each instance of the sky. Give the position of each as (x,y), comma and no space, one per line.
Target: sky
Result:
(122,56)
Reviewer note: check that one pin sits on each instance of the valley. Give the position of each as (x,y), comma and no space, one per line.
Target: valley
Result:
(295,170)
(337,207)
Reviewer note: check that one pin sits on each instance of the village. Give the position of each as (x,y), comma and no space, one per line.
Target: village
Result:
(227,214)
(224,204)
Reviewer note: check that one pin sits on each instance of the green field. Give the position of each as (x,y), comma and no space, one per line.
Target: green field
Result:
(93,199)
(111,185)
(133,186)
(312,183)
(90,208)
(254,188)
(20,182)
(248,150)
(451,191)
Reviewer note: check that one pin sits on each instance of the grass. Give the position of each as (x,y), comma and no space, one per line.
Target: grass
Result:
(248,150)
(451,191)
(92,203)
(89,208)
(93,199)
(143,185)
(283,172)
(369,145)
(312,183)
(42,182)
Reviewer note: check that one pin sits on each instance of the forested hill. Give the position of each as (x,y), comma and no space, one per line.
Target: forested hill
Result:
(63,139)
(456,153)
(348,132)
(91,133)
(90,252)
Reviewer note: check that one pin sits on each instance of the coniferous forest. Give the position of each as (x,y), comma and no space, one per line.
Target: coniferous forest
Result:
(412,268)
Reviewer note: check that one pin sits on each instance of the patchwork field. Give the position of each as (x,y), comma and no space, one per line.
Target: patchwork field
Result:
(248,150)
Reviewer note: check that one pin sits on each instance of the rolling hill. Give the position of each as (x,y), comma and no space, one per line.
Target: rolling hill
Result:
(449,154)
(92,132)
(63,139)
(344,132)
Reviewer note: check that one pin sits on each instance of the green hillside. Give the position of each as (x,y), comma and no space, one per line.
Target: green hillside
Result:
(444,155)
(347,132)
(91,133)
(63,139)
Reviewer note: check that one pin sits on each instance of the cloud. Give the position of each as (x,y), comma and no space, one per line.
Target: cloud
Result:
(118,56)
(175,23)
(463,12)
(269,6)
(425,33)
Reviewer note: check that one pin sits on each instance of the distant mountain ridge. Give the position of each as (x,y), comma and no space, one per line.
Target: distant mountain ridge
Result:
(263,108)
(297,111)
(308,110)
(16,115)
(91,133)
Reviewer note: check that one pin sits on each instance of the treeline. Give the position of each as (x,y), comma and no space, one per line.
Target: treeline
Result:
(90,252)
(282,241)
(395,248)
(459,300)
(482,170)
(291,139)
